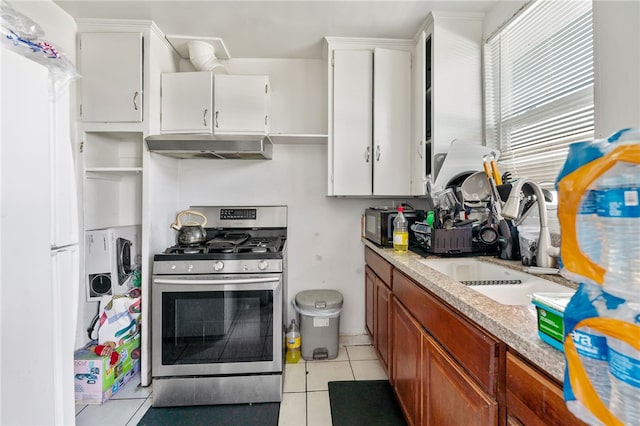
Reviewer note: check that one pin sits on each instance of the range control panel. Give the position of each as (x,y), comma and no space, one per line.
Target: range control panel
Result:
(238,217)
(238,214)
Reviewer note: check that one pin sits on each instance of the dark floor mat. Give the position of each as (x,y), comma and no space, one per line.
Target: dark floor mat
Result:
(364,402)
(214,415)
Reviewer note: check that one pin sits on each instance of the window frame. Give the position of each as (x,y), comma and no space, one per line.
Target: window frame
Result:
(580,101)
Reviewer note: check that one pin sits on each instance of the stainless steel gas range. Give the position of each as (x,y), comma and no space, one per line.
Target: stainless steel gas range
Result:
(217,311)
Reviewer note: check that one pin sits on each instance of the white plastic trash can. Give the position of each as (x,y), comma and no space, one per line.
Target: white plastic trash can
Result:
(319,322)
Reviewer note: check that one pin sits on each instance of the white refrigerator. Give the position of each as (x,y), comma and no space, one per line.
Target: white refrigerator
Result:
(39,267)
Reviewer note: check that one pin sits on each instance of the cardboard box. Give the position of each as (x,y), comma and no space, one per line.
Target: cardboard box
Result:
(95,380)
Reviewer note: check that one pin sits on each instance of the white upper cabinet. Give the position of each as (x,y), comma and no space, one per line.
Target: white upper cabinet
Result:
(352,123)
(241,104)
(448,93)
(201,102)
(111,68)
(187,102)
(392,122)
(370,119)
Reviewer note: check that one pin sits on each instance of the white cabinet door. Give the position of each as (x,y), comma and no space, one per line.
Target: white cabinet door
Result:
(241,104)
(187,102)
(420,110)
(370,142)
(448,98)
(111,68)
(392,122)
(352,123)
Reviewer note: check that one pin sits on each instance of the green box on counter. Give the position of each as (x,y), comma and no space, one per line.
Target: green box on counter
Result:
(95,379)
(550,309)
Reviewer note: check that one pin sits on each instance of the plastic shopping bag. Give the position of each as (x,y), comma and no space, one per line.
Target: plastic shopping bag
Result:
(119,318)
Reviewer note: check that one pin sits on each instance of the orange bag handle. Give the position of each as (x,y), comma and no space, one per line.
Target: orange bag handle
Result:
(570,191)
(580,383)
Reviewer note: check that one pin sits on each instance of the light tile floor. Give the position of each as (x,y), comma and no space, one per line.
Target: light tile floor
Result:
(305,401)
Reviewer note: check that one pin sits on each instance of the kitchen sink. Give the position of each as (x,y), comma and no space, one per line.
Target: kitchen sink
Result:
(504,285)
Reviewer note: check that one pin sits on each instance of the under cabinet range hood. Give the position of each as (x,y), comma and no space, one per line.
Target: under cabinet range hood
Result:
(236,147)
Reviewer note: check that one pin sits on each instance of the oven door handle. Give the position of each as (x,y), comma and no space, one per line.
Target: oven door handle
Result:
(216,282)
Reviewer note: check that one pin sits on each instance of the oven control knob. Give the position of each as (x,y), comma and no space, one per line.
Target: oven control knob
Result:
(190,267)
(173,266)
(218,265)
(262,265)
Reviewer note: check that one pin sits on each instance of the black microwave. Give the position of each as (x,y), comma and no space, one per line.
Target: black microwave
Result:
(378,223)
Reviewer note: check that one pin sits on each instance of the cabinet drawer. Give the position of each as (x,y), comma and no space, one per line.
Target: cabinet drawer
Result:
(451,396)
(532,398)
(381,267)
(472,348)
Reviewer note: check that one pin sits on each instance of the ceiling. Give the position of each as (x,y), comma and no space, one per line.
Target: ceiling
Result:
(276,29)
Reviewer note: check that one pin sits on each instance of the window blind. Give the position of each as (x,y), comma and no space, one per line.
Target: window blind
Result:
(539,87)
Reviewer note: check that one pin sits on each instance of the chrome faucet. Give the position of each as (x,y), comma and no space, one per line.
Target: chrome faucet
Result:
(546,254)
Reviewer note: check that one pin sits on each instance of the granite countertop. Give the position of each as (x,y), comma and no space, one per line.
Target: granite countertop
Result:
(514,325)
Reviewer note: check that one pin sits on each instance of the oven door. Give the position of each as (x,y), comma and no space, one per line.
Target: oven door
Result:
(216,324)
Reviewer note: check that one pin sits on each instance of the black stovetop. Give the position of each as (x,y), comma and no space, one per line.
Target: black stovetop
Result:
(250,244)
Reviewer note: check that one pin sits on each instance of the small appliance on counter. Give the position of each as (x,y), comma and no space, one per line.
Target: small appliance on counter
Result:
(110,260)
(378,223)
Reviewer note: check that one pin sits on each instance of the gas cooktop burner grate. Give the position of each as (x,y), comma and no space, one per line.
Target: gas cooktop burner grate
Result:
(185,250)
(234,244)
(261,245)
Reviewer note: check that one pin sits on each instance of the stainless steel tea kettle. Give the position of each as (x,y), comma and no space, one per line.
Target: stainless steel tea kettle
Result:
(191,232)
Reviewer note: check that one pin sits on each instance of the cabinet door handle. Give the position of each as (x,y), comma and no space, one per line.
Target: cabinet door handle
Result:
(367,154)
(204,117)
(135,100)
(217,124)
(377,152)
(420,149)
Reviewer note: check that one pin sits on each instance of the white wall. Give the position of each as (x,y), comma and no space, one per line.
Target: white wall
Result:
(617,65)
(500,14)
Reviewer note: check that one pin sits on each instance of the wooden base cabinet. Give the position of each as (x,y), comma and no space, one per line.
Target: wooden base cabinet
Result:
(457,370)
(432,388)
(470,346)
(449,395)
(378,312)
(532,398)
(383,324)
(445,369)
(407,359)
(369,300)
(378,296)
